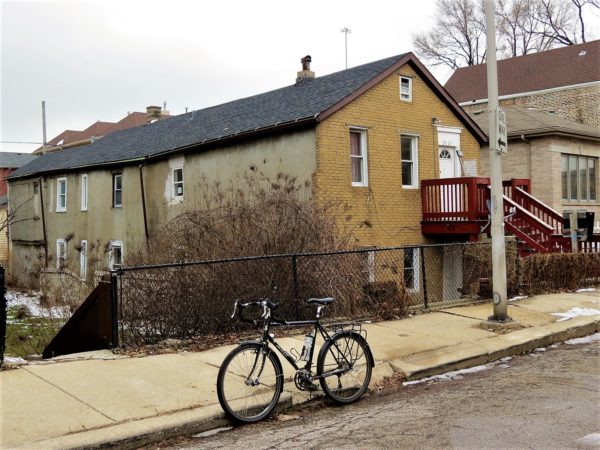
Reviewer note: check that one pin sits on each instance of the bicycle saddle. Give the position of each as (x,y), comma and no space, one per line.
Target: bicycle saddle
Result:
(321,301)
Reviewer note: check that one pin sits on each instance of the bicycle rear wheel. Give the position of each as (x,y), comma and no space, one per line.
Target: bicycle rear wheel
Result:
(250,383)
(346,363)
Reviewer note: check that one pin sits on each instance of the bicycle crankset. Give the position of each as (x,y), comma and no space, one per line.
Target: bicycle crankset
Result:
(303,381)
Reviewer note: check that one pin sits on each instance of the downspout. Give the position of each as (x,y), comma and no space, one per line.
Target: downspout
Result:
(143,200)
(41,184)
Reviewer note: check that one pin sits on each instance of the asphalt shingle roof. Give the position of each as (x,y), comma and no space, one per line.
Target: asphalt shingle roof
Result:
(559,67)
(12,160)
(530,123)
(285,105)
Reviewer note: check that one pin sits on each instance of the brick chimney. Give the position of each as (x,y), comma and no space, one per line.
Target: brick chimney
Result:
(153,113)
(305,74)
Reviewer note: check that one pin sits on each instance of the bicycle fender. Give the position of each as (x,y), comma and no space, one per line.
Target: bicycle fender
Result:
(258,343)
(358,337)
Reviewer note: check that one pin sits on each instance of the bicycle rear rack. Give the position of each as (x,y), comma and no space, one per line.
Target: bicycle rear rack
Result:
(355,327)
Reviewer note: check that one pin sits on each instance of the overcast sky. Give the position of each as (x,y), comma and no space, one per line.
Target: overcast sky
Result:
(98,60)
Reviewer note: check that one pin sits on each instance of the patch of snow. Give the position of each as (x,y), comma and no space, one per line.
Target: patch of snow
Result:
(13,360)
(32,303)
(584,340)
(449,376)
(586,290)
(506,359)
(575,312)
(554,346)
(504,366)
(591,440)
(540,349)
(518,297)
(211,432)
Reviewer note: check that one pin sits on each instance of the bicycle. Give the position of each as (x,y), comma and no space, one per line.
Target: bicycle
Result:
(250,380)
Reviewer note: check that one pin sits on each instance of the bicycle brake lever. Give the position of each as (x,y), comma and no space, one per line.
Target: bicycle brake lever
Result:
(235,306)
(265,309)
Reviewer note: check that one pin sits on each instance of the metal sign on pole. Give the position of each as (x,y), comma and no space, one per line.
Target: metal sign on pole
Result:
(501,135)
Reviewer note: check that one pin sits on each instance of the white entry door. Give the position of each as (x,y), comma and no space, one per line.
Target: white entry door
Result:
(451,195)
(447,163)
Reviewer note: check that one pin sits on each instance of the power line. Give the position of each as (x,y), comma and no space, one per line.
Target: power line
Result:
(19,142)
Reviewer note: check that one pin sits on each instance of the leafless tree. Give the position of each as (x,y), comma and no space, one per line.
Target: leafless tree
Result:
(12,215)
(458,36)
(523,26)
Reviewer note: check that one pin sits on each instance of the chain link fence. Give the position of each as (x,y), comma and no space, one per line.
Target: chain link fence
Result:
(190,299)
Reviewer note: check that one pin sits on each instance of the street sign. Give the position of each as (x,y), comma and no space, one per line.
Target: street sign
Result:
(501,134)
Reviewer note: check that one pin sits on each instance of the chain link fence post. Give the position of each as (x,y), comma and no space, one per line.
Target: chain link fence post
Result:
(114,308)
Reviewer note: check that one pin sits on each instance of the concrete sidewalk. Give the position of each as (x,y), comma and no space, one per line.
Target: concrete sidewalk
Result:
(101,399)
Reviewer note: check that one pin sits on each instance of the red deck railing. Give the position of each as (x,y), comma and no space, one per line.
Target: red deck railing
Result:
(463,202)
(455,199)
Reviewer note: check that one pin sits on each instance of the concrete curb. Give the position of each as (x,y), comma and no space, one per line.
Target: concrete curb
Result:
(136,433)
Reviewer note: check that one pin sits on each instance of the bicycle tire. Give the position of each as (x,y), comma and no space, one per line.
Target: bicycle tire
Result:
(246,401)
(350,352)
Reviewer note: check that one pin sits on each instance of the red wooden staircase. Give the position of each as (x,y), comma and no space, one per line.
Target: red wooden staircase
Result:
(458,208)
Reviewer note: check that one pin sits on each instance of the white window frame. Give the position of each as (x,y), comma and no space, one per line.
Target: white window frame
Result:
(59,207)
(416,287)
(406,97)
(83,258)
(84,192)
(114,190)
(59,243)
(111,263)
(363,156)
(175,183)
(414,161)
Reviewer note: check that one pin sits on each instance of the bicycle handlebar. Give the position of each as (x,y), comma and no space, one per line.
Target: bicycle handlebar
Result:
(267,306)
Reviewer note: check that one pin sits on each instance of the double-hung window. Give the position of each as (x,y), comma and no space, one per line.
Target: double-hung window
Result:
(61,194)
(61,254)
(178,183)
(84,192)
(358,157)
(115,256)
(406,89)
(409,149)
(117,190)
(579,178)
(411,269)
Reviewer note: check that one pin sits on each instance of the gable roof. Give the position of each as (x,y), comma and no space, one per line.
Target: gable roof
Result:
(11,160)
(301,104)
(559,67)
(530,124)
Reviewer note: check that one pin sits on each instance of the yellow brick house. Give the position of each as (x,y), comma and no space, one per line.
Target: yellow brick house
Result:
(367,136)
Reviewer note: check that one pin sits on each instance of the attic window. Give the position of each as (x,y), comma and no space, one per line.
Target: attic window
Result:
(406,89)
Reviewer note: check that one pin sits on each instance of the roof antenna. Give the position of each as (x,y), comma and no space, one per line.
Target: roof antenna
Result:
(346,32)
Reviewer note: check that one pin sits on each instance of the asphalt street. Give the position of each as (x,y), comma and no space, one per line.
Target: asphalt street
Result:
(546,399)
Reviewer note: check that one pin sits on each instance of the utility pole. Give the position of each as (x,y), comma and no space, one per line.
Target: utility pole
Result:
(497,147)
(44,126)
(346,32)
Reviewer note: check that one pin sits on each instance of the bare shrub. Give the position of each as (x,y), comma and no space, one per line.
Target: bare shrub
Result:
(554,272)
(258,217)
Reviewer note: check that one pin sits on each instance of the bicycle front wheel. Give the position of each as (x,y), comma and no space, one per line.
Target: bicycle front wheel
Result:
(345,363)
(250,382)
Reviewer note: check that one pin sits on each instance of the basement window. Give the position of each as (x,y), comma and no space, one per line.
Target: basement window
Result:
(115,255)
(411,269)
